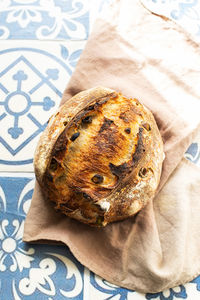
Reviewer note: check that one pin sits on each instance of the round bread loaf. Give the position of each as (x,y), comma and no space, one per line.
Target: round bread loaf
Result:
(100,157)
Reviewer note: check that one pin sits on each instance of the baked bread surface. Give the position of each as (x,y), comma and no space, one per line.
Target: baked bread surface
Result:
(100,157)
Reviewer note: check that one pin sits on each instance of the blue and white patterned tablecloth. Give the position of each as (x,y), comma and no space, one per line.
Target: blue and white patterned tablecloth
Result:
(41,41)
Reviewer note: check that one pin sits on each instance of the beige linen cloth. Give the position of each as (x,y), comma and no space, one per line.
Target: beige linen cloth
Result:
(149,57)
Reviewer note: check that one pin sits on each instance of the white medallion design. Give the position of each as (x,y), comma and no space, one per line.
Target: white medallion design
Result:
(10,247)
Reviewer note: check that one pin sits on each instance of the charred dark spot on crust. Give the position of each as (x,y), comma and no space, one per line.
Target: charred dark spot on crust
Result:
(136,102)
(121,170)
(143,172)
(103,100)
(97,179)
(60,146)
(86,196)
(123,116)
(139,148)
(65,123)
(49,177)
(146,126)
(99,101)
(91,107)
(127,130)
(75,136)
(87,120)
(80,116)
(53,165)
(106,124)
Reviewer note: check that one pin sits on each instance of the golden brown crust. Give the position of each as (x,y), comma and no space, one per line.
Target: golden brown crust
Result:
(100,157)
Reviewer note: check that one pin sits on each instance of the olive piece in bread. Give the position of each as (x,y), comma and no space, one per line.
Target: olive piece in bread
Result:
(100,157)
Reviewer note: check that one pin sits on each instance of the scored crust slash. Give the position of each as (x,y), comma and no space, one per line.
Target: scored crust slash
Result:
(100,157)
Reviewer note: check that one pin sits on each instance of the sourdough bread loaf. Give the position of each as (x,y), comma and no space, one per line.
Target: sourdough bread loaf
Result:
(100,157)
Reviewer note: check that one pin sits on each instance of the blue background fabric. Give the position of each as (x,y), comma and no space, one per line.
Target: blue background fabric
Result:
(41,42)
